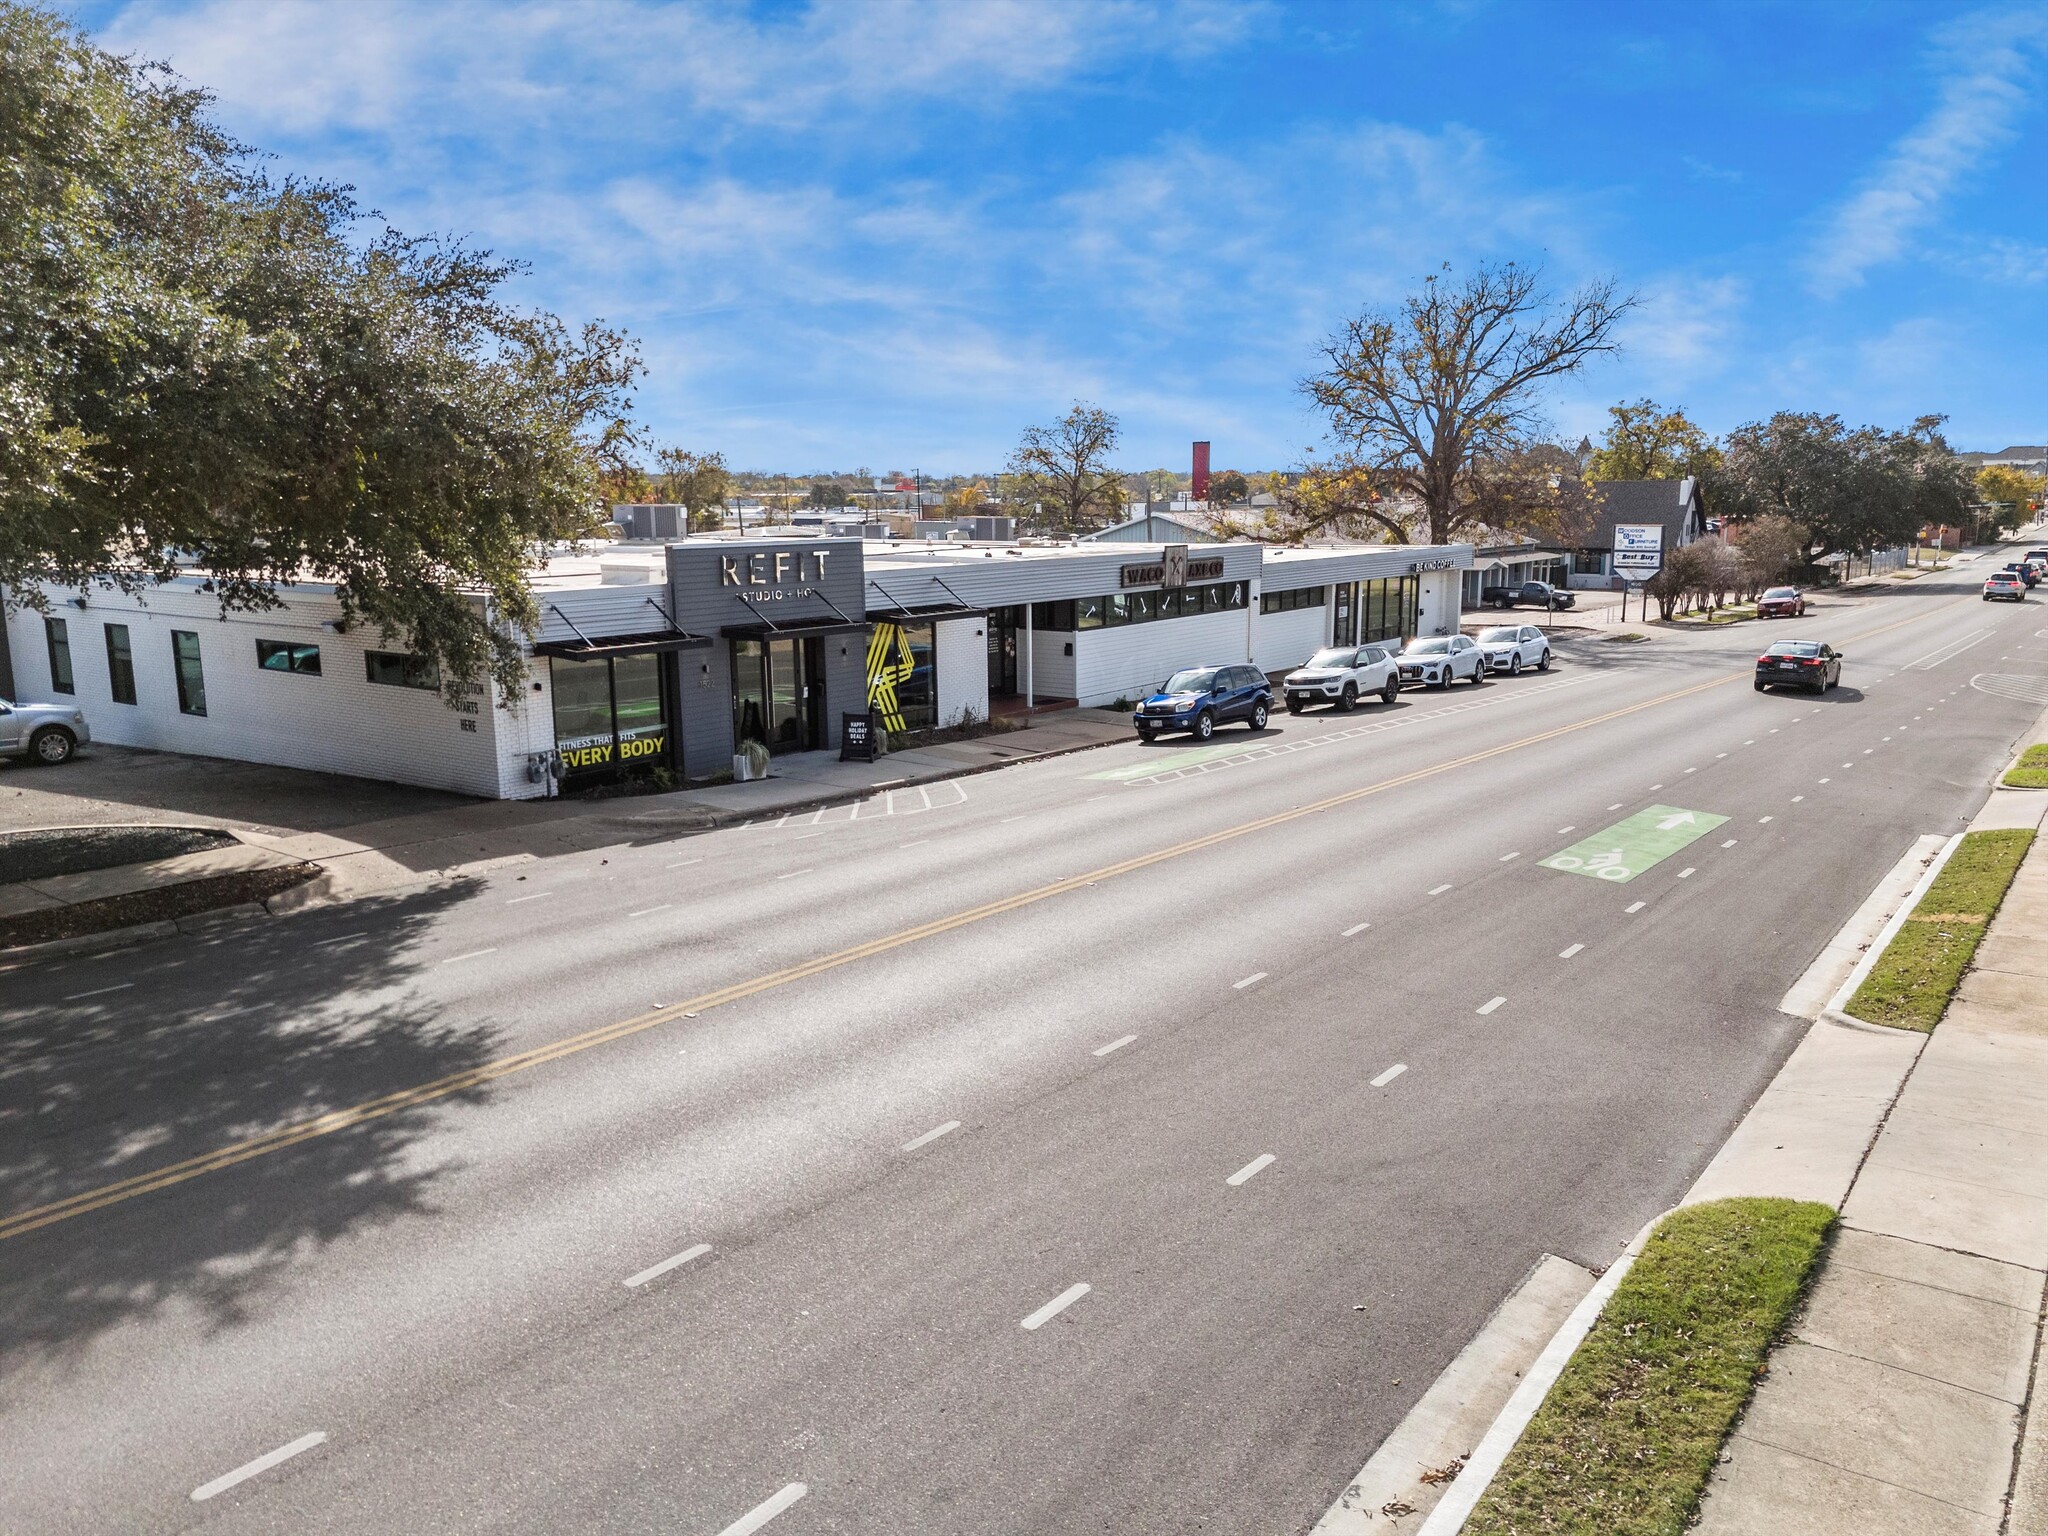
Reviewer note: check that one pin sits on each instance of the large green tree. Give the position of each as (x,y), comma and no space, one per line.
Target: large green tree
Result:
(1852,489)
(201,368)
(1643,441)
(1064,469)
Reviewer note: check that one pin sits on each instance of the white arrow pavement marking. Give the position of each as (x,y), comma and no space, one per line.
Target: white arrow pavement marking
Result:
(1053,1308)
(1682,819)
(262,1463)
(674,1262)
(765,1511)
(1249,1169)
(931,1135)
(1390,1074)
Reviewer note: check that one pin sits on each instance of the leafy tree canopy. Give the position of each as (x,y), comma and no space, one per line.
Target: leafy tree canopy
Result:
(2013,493)
(202,367)
(1065,469)
(1643,441)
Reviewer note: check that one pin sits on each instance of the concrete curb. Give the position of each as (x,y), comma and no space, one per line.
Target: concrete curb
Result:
(1449,1517)
(87,943)
(1833,1012)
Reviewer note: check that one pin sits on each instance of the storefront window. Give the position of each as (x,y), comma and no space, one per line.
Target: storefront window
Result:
(608,713)
(917,696)
(1387,608)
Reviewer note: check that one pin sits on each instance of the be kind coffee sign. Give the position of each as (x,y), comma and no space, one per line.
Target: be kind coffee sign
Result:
(775,575)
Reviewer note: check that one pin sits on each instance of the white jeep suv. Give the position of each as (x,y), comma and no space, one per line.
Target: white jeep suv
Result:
(1511,647)
(1338,674)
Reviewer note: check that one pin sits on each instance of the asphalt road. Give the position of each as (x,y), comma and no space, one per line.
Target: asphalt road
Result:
(914,1072)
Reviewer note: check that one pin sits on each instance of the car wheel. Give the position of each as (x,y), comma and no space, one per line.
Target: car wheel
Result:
(1515,665)
(1392,691)
(1762,686)
(1258,720)
(1543,661)
(1479,673)
(52,745)
(1347,701)
(1440,679)
(1204,726)
(1294,705)
(1146,733)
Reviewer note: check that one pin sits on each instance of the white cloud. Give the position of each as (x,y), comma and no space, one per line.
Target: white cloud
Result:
(302,66)
(1684,327)
(1988,84)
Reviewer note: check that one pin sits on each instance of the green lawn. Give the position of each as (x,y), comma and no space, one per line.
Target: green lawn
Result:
(1918,972)
(1625,1441)
(2031,771)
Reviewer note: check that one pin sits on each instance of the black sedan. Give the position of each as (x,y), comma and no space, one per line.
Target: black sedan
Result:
(1799,664)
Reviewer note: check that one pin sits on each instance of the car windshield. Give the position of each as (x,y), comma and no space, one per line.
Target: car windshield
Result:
(1333,656)
(1194,680)
(1499,636)
(1795,648)
(1782,592)
(1427,648)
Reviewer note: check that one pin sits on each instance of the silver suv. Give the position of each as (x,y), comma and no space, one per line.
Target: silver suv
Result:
(43,733)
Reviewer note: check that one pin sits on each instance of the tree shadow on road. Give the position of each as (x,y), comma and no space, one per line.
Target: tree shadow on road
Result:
(100,1090)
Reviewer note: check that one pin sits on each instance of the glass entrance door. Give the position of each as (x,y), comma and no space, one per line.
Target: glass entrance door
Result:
(1003,626)
(778,693)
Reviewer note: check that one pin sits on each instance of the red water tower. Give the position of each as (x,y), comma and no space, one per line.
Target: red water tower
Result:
(1200,487)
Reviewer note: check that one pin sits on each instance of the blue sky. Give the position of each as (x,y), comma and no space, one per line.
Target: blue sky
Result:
(889,234)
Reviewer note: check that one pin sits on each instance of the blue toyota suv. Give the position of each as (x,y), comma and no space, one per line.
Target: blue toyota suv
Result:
(1199,699)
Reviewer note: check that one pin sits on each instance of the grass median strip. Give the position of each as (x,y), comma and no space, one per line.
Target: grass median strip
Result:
(2031,771)
(1625,1441)
(1918,972)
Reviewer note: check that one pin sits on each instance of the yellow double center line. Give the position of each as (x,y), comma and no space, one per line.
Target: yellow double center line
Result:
(504,1066)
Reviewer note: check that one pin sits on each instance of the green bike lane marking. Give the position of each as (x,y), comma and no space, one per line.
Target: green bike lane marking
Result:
(1167,762)
(1634,844)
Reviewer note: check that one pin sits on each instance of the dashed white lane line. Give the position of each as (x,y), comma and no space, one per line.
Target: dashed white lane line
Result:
(513,901)
(1562,830)
(343,938)
(1008,819)
(119,986)
(1761,820)
(801,836)
(1615,807)
(1751,742)
(1506,856)
(673,1261)
(1772,731)
(686,863)
(1355,930)
(1729,844)
(1250,1170)
(1824,781)
(1489,1006)
(1053,1308)
(1687,872)
(931,1136)
(1439,890)
(1566,954)
(795,872)
(650,911)
(1635,906)
(1114,1045)
(261,1464)
(1655,787)
(766,1510)
(1390,1074)
(1797,798)
(1251,980)
(1695,770)
(474,954)
(918,844)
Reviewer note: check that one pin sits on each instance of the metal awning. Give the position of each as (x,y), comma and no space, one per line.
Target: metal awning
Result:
(583,648)
(929,611)
(794,630)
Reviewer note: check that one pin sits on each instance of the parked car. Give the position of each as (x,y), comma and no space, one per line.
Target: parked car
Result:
(2025,571)
(2003,584)
(1781,603)
(1198,699)
(1530,594)
(1441,660)
(42,733)
(1511,647)
(1799,664)
(1339,674)
(2038,557)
